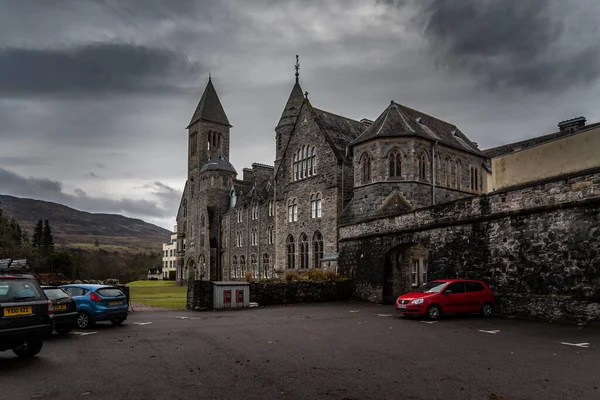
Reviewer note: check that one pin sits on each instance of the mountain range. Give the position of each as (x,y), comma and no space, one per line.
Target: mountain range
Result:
(74,228)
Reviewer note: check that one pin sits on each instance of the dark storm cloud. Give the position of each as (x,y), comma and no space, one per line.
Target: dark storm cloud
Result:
(49,190)
(93,69)
(540,45)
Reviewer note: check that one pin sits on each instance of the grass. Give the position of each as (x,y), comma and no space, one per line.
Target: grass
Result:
(165,294)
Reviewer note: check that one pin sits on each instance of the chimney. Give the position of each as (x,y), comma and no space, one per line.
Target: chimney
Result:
(248,175)
(571,125)
(366,121)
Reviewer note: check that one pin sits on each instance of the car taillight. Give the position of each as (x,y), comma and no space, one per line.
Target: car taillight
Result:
(95,297)
(50,309)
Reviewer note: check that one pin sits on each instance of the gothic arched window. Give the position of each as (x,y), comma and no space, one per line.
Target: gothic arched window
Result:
(317,249)
(202,221)
(395,161)
(423,167)
(242,266)
(315,205)
(266,266)
(303,251)
(234,267)
(365,168)
(291,252)
(254,266)
(292,210)
(304,163)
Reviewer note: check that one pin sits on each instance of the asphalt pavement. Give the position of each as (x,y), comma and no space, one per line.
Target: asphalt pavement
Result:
(341,351)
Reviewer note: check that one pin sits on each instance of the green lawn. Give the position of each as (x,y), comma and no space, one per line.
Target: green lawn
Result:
(164,294)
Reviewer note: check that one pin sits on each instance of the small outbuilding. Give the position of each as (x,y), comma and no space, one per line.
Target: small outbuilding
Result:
(231,294)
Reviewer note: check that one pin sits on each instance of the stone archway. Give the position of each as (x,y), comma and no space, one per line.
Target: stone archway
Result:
(399,276)
(190,270)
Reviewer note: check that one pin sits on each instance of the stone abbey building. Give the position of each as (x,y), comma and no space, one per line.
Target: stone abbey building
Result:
(328,169)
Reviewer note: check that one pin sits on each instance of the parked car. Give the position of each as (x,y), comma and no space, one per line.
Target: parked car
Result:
(98,303)
(65,309)
(26,315)
(448,296)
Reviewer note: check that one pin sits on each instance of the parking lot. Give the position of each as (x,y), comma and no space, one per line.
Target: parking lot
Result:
(320,351)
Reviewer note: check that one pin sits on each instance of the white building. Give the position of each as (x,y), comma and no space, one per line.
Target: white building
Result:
(169,256)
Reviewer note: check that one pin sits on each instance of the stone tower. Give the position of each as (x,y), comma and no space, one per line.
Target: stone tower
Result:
(210,175)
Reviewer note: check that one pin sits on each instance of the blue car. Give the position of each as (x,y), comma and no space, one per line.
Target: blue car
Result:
(98,303)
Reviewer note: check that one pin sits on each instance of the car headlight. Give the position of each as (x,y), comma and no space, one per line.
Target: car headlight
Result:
(417,301)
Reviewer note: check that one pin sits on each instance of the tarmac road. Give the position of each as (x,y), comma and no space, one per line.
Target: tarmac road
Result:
(320,351)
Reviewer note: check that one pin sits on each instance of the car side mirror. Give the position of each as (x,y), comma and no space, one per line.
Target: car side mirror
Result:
(448,291)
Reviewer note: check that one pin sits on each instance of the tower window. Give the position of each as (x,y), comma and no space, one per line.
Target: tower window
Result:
(395,160)
(304,163)
(365,168)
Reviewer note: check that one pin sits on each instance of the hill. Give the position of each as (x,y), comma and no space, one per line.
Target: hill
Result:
(73,228)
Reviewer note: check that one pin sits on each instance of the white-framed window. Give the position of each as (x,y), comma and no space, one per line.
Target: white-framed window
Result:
(425,271)
(254,212)
(304,163)
(292,210)
(270,235)
(415,273)
(239,215)
(315,205)
(254,237)
(271,208)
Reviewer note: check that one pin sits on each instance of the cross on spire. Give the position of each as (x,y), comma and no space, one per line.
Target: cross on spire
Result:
(297,67)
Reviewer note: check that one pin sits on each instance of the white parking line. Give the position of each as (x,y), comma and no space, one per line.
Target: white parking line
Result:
(429,322)
(584,345)
(384,315)
(493,332)
(354,311)
(183,317)
(83,333)
(142,323)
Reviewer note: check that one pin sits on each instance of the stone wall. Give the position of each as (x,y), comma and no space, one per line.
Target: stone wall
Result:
(299,292)
(200,295)
(538,246)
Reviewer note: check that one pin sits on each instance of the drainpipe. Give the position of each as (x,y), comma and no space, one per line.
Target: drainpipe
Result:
(433,172)
(258,257)
(218,260)
(229,243)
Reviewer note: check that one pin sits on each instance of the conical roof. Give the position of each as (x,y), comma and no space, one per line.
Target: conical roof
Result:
(218,162)
(292,107)
(210,108)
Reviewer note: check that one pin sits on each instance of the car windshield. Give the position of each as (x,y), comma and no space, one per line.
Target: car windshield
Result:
(19,290)
(55,294)
(432,287)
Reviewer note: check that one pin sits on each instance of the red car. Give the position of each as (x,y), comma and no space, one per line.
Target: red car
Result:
(448,296)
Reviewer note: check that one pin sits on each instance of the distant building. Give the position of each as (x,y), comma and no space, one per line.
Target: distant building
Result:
(155,273)
(574,148)
(169,256)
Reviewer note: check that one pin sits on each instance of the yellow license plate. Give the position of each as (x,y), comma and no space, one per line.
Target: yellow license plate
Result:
(59,307)
(114,303)
(13,311)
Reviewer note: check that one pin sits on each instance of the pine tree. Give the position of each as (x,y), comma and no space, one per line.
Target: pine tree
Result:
(38,234)
(47,239)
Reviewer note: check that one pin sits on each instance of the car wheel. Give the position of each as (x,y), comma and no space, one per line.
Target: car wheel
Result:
(28,349)
(63,331)
(434,311)
(83,320)
(117,321)
(487,309)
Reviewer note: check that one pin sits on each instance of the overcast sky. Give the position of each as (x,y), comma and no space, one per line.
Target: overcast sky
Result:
(95,95)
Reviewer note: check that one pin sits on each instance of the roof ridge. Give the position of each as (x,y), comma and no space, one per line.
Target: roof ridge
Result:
(334,114)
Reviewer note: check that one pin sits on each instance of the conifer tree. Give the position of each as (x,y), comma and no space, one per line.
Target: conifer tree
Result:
(47,239)
(38,234)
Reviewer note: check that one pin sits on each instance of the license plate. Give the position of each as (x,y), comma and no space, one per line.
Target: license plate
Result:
(401,306)
(59,307)
(13,311)
(114,303)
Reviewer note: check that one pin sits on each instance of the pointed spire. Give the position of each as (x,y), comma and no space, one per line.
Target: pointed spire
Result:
(297,67)
(210,108)
(292,107)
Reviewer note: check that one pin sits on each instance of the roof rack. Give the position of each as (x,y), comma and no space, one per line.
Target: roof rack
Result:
(8,265)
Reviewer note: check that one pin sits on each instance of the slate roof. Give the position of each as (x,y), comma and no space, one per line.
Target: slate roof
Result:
(338,131)
(398,120)
(210,108)
(218,162)
(532,142)
(292,107)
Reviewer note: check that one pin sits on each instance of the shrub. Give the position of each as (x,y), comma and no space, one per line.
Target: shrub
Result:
(248,276)
(317,275)
(291,276)
(331,275)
